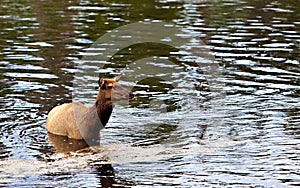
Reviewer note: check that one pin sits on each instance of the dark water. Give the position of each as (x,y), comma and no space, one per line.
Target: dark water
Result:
(228,117)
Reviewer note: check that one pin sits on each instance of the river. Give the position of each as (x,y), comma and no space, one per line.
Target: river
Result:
(216,87)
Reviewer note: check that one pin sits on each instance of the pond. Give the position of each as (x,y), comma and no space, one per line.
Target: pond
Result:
(216,84)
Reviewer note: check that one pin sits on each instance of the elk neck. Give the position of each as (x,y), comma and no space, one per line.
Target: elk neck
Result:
(104,106)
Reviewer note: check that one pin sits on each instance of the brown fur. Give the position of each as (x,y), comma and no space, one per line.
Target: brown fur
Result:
(77,121)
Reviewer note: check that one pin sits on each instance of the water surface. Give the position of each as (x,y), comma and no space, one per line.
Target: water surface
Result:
(235,126)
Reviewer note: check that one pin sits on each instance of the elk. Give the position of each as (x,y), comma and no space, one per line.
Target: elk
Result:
(77,121)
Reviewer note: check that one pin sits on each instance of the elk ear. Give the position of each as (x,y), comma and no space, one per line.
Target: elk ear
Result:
(100,81)
(117,78)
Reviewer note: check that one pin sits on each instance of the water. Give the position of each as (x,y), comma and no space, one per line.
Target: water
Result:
(233,123)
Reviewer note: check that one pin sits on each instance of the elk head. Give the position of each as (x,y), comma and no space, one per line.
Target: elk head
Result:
(112,90)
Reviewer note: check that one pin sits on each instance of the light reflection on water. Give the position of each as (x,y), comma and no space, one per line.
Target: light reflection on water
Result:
(255,141)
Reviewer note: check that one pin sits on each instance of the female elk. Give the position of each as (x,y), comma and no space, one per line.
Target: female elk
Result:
(77,121)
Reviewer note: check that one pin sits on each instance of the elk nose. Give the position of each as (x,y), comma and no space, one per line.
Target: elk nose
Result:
(131,95)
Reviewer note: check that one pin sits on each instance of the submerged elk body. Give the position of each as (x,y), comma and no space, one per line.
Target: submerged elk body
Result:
(78,121)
